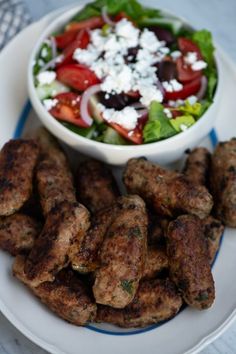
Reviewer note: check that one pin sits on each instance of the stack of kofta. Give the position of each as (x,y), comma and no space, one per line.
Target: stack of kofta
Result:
(93,255)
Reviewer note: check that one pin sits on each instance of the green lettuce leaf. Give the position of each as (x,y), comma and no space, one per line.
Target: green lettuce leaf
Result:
(131,7)
(158,126)
(186,120)
(85,132)
(204,41)
(194,110)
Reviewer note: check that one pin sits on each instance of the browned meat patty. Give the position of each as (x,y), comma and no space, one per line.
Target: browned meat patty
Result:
(189,262)
(197,166)
(123,254)
(53,175)
(96,186)
(65,224)
(84,259)
(67,295)
(167,192)
(213,230)
(223,182)
(18,233)
(157,262)
(17,162)
(155,301)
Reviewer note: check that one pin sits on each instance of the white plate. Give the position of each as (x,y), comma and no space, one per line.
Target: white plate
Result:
(189,331)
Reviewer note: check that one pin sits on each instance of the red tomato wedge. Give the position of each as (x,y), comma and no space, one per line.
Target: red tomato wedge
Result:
(68,109)
(77,76)
(137,134)
(185,72)
(186,45)
(64,39)
(81,41)
(188,89)
(91,23)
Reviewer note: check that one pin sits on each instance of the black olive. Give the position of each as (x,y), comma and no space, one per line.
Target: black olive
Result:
(166,70)
(163,34)
(117,102)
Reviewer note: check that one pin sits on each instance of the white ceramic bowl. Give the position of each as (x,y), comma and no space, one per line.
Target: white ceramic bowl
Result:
(164,152)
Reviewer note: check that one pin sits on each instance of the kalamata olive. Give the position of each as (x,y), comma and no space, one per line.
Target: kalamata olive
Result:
(117,102)
(163,34)
(131,56)
(166,70)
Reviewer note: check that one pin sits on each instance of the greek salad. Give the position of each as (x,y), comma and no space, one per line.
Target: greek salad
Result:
(121,73)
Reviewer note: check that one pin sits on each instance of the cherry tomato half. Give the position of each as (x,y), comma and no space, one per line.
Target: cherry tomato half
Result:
(188,89)
(91,23)
(186,45)
(81,41)
(67,109)
(185,72)
(77,76)
(64,39)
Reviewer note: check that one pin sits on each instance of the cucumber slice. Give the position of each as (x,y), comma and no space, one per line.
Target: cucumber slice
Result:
(46,91)
(85,132)
(110,136)
(96,114)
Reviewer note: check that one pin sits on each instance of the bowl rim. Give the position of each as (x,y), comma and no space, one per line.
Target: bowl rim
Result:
(45,116)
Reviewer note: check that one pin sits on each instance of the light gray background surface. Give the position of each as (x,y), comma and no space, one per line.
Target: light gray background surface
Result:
(219,16)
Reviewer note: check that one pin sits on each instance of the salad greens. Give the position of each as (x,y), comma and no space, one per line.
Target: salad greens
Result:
(204,41)
(160,124)
(132,8)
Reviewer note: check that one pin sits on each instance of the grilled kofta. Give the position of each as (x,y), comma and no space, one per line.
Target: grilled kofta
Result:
(189,264)
(96,186)
(123,254)
(18,233)
(53,176)
(65,224)
(155,301)
(67,295)
(169,193)
(17,162)
(84,259)
(223,182)
(156,263)
(197,166)
(213,231)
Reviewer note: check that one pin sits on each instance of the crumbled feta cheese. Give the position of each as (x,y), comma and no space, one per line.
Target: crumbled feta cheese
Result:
(46,77)
(86,56)
(149,94)
(50,103)
(183,127)
(199,65)
(190,58)
(175,54)
(127,117)
(167,113)
(192,100)
(119,82)
(172,85)
(127,31)
(149,41)
(165,50)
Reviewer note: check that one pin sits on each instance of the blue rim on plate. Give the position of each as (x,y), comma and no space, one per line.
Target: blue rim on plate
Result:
(17,134)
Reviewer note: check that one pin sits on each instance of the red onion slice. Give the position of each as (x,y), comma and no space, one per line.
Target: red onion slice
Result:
(52,63)
(137,105)
(106,18)
(142,113)
(54,47)
(203,88)
(84,110)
